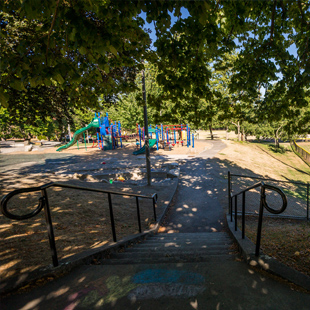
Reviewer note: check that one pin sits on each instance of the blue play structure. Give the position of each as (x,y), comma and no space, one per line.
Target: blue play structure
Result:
(109,134)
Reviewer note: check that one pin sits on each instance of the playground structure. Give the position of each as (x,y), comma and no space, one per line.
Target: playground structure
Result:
(109,134)
(166,136)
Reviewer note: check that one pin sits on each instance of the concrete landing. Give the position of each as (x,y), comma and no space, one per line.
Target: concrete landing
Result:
(211,285)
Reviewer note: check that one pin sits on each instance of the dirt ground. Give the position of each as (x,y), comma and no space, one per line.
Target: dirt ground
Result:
(81,219)
(286,240)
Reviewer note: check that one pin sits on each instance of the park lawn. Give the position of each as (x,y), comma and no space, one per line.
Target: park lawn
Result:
(298,170)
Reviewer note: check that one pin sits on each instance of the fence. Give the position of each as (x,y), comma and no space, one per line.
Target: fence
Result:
(262,205)
(301,151)
(297,194)
(43,204)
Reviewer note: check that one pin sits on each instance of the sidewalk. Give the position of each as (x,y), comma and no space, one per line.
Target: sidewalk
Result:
(216,283)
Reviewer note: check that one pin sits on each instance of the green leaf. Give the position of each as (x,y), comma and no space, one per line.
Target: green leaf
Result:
(59,78)
(106,68)
(72,34)
(4,98)
(17,84)
(83,50)
(35,82)
(113,50)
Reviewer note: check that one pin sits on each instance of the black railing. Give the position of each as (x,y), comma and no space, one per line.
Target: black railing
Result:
(293,189)
(263,204)
(43,204)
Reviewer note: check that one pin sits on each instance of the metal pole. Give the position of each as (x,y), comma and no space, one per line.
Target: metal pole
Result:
(154,206)
(146,130)
(260,220)
(229,196)
(138,214)
(236,210)
(50,231)
(112,217)
(243,215)
(308,201)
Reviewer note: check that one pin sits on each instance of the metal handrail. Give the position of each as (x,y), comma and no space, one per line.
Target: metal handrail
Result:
(43,204)
(263,204)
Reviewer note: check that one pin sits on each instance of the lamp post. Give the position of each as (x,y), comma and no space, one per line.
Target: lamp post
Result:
(146,130)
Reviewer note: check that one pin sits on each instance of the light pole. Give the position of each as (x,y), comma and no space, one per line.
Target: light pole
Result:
(146,131)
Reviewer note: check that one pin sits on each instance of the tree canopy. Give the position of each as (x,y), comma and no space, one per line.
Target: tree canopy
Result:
(84,49)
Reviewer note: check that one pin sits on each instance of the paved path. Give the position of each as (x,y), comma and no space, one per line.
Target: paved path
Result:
(210,284)
(196,207)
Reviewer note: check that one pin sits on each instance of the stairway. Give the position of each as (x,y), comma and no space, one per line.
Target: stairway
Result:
(175,248)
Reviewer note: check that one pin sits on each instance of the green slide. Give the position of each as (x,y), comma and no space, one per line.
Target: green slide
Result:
(152,142)
(94,123)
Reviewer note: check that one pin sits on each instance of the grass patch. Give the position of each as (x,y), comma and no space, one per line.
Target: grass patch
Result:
(284,239)
(300,194)
(277,150)
(296,168)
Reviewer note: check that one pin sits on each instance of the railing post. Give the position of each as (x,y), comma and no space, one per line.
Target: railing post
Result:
(308,201)
(260,219)
(236,209)
(243,215)
(229,196)
(138,214)
(112,217)
(155,206)
(50,230)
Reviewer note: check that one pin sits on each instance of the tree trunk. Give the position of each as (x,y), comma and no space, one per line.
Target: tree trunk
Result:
(238,127)
(276,140)
(243,135)
(211,133)
(69,132)
(239,135)
(227,133)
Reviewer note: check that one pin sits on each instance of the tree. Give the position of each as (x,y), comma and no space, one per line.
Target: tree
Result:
(89,48)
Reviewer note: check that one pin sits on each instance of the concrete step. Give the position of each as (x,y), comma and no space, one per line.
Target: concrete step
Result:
(168,253)
(168,247)
(171,259)
(206,237)
(190,235)
(186,241)
(171,248)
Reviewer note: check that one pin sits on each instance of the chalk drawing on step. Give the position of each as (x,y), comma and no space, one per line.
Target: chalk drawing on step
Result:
(158,290)
(156,283)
